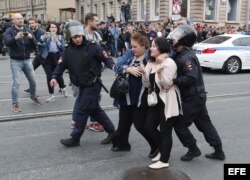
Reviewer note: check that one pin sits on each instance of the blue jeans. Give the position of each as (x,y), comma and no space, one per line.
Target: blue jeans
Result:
(17,67)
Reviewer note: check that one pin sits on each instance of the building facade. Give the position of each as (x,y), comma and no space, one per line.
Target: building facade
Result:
(216,12)
(42,9)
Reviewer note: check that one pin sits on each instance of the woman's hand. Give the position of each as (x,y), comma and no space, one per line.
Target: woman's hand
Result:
(47,34)
(142,69)
(136,71)
(53,82)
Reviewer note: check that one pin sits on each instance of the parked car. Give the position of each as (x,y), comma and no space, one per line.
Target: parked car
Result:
(228,52)
(246,32)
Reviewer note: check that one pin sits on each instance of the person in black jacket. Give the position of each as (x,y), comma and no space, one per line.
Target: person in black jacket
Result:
(193,95)
(83,60)
(38,32)
(20,41)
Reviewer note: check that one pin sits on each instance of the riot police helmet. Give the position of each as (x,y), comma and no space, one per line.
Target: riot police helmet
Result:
(183,35)
(74,27)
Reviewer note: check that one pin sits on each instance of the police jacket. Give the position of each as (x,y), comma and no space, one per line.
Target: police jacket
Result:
(19,49)
(84,63)
(189,74)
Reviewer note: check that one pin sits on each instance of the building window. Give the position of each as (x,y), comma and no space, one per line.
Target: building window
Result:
(111,8)
(184,7)
(103,12)
(82,13)
(211,10)
(42,18)
(232,8)
(142,9)
(95,8)
(155,6)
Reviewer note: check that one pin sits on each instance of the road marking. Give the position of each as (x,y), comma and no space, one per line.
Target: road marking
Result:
(105,108)
(231,83)
(26,98)
(44,114)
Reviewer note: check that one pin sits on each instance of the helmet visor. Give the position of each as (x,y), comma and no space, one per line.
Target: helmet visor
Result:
(180,33)
(176,35)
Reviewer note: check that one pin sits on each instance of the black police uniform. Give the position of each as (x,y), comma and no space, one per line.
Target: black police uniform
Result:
(84,64)
(190,82)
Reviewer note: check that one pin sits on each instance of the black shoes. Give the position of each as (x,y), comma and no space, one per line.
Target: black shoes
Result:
(153,153)
(117,149)
(27,90)
(107,140)
(191,154)
(70,142)
(216,155)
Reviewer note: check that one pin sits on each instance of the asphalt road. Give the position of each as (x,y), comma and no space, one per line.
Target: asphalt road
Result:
(30,150)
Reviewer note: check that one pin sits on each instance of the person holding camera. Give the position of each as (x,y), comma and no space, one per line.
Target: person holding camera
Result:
(20,41)
(52,45)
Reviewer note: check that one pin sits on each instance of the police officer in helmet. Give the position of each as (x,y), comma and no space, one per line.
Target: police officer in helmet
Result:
(190,82)
(84,60)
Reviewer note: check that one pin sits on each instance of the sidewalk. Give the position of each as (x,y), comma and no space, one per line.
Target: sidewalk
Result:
(61,105)
(4,57)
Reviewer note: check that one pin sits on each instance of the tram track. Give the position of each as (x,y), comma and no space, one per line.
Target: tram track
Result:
(34,115)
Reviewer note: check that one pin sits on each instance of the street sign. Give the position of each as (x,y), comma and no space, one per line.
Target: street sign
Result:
(176,17)
(176,9)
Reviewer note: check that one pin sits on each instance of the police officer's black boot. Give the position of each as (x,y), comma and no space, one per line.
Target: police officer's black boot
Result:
(217,154)
(193,152)
(107,140)
(70,142)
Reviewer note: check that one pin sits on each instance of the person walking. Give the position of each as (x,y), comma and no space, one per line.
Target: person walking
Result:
(90,33)
(20,41)
(38,32)
(133,105)
(85,72)
(52,45)
(193,95)
(158,77)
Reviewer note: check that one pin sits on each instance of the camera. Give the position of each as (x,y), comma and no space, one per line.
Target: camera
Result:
(25,33)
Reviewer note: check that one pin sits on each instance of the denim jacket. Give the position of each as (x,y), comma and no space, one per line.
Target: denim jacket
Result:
(45,44)
(137,94)
(124,61)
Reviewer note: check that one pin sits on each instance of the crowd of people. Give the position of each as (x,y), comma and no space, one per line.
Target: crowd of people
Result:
(154,58)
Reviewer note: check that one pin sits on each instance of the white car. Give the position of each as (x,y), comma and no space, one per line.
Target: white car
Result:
(228,52)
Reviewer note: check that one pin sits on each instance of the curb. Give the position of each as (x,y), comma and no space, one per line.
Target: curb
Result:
(105,108)
(44,114)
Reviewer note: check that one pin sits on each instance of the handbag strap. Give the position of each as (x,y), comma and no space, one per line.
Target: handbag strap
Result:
(152,87)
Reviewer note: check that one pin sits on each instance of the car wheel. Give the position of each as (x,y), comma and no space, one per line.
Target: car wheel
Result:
(232,65)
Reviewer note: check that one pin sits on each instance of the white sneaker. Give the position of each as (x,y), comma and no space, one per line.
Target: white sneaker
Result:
(51,98)
(158,165)
(65,92)
(157,157)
